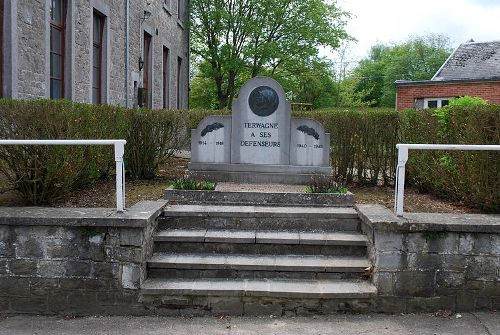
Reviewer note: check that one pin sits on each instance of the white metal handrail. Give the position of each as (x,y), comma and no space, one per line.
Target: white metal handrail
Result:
(403,158)
(119,146)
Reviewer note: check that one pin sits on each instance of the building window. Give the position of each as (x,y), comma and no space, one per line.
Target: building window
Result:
(166,78)
(97,58)
(180,9)
(1,48)
(179,83)
(431,104)
(428,103)
(57,30)
(146,78)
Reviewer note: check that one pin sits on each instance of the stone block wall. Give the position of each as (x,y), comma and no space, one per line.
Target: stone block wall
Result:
(426,262)
(74,262)
(28,33)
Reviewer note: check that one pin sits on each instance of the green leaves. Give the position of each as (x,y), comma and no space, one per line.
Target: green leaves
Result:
(416,59)
(235,40)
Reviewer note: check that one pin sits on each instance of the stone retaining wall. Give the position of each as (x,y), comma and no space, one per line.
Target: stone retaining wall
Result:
(93,261)
(74,261)
(426,262)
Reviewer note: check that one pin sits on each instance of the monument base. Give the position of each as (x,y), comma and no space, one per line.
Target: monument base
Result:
(251,173)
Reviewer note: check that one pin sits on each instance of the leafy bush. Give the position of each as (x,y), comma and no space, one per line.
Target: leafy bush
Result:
(152,138)
(467,101)
(191,184)
(326,184)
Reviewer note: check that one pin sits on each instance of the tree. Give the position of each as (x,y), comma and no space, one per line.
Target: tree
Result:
(237,38)
(418,58)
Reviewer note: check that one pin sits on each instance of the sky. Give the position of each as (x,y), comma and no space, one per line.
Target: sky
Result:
(387,21)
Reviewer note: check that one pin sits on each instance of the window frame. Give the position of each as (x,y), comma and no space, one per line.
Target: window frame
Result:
(166,77)
(61,27)
(438,100)
(148,67)
(180,10)
(1,46)
(100,48)
(179,82)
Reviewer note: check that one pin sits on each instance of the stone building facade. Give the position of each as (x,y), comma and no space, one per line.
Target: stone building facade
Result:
(96,51)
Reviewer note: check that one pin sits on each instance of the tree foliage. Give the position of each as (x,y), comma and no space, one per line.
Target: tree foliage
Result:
(233,40)
(418,58)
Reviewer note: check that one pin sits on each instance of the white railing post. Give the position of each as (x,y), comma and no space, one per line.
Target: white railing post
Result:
(120,177)
(403,158)
(400,179)
(119,146)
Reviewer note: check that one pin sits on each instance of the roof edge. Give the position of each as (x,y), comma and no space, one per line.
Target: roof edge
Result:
(437,82)
(446,62)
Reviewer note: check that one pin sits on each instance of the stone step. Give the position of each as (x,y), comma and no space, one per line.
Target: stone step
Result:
(253,242)
(259,263)
(262,195)
(303,289)
(261,237)
(247,274)
(259,249)
(260,218)
(260,212)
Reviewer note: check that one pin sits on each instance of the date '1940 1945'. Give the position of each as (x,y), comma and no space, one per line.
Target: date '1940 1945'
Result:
(305,146)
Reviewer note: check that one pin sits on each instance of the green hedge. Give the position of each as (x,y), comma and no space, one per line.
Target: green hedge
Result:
(43,174)
(363,146)
(362,142)
(471,177)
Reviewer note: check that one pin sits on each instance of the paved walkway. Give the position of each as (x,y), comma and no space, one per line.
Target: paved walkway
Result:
(376,324)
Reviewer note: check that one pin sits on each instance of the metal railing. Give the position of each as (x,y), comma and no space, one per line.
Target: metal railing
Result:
(119,146)
(403,158)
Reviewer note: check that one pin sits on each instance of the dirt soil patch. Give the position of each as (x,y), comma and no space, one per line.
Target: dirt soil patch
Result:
(102,194)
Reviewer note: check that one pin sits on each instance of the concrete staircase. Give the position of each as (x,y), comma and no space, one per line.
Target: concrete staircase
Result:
(258,260)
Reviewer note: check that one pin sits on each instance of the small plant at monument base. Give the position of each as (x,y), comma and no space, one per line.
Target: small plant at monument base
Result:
(191,184)
(326,184)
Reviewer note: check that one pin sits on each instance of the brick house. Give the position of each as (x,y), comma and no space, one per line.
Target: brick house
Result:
(124,53)
(473,69)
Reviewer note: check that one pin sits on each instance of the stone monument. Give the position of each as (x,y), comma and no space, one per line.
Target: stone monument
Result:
(260,142)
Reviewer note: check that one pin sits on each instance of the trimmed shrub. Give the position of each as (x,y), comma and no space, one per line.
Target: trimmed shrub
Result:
(362,142)
(45,173)
(42,174)
(470,177)
(362,147)
(152,138)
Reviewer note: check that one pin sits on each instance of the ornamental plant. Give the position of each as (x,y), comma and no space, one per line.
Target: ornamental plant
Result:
(326,184)
(191,184)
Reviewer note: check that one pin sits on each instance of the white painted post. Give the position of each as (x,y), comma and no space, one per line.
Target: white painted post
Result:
(400,179)
(120,177)
(403,158)
(119,146)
